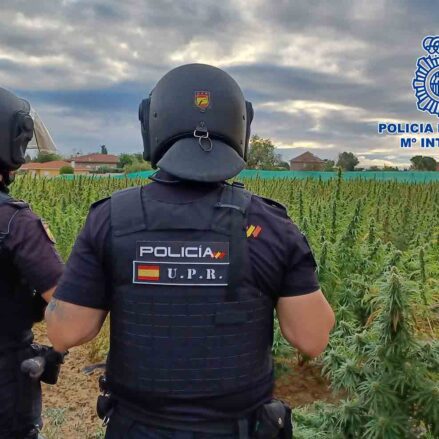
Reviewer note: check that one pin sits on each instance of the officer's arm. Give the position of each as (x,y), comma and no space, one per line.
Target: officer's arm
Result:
(306,321)
(70,325)
(33,253)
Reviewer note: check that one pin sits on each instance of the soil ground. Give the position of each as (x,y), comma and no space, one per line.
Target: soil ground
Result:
(69,408)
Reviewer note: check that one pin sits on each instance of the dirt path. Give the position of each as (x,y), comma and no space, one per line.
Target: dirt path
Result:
(303,385)
(69,407)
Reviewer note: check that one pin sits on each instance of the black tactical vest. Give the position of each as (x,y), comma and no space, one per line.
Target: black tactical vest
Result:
(16,297)
(187,318)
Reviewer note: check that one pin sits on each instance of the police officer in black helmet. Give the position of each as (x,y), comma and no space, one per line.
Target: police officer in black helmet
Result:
(191,269)
(29,271)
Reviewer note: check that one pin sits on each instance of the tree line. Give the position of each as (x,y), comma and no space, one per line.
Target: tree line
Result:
(127,162)
(262,155)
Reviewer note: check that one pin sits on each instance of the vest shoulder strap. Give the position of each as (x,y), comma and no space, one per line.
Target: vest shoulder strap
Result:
(274,203)
(237,200)
(127,215)
(5,227)
(5,198)
(235,197)
(97,203)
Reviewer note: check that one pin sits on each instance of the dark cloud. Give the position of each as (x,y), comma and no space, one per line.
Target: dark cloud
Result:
(320,73)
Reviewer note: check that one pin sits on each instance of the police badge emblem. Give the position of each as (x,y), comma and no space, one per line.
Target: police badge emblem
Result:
(47,231)
(202,100)
(426,81)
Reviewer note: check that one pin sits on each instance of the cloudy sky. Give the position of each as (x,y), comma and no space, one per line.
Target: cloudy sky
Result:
(320,74)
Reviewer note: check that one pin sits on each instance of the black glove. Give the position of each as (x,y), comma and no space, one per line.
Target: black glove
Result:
(54,360)
(45,365)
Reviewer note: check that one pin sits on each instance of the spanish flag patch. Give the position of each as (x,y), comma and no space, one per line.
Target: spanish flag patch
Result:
(148,272)
(253,231)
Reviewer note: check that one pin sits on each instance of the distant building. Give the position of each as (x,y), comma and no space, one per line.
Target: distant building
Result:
(95,161)
(50,169)
(307,162)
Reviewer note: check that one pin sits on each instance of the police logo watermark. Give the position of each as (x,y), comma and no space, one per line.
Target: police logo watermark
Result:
(425,84)
(426,81)
(202,100)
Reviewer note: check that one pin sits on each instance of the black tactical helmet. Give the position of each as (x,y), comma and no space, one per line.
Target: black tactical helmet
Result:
(16,130)
(196,124)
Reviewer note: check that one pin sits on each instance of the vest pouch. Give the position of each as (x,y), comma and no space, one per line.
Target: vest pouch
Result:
(105,403)
(27,417)
(273,421)
(17,311)
(104,406)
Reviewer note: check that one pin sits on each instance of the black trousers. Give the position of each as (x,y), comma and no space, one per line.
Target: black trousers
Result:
(20,397)
(121,427)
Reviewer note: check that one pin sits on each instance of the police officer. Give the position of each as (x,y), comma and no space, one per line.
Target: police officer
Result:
(191,269)
(29,270)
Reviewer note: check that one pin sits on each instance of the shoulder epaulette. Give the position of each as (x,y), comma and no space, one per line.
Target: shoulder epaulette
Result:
(273,203)
(18,204)
(97,203)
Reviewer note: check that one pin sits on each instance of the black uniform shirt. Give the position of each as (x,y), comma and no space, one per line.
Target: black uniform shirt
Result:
(283,266)
(283,262)
(32,251)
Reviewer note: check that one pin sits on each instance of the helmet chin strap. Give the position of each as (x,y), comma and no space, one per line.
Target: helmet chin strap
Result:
(170,180)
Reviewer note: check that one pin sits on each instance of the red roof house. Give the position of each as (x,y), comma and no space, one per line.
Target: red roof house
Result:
(306,162)
(50,169)
(95,161)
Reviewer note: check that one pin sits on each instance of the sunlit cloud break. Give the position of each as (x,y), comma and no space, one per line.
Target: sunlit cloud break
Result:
(321,75)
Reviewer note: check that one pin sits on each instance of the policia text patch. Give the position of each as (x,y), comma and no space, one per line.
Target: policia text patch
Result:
(183,263)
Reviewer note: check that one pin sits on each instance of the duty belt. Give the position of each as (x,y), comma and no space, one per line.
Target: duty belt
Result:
(240,427)
(270,421)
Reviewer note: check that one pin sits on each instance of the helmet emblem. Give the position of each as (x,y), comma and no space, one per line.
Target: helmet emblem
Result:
(202,100)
